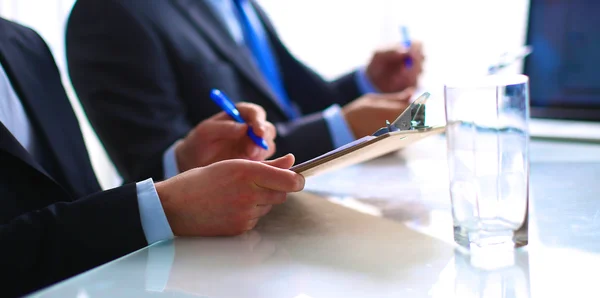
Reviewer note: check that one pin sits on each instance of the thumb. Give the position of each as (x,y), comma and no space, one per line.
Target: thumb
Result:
(403,95)
(284,162)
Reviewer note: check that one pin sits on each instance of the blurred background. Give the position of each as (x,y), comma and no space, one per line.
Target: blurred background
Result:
(461,37)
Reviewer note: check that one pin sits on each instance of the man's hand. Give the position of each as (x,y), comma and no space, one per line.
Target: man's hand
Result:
(220,138)
(387,69)
(368,113)
(228,197)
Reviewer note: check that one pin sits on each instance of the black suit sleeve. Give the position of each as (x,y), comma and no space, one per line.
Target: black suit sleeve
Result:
(347,88)
(47,245)
(126,86)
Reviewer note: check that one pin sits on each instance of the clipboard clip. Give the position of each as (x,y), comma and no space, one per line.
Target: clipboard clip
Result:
(413,118)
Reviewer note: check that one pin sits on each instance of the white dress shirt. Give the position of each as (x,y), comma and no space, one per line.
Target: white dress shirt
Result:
(13,116)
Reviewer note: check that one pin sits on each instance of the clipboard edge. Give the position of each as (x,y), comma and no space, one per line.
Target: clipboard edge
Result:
(307,165)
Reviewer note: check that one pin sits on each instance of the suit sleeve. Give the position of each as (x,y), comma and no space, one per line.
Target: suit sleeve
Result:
(47,245)
(306,138)
(122,76)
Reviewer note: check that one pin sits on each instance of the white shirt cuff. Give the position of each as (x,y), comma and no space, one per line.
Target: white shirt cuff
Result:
(338,127)
(170,162)
(154,221)
(364,84)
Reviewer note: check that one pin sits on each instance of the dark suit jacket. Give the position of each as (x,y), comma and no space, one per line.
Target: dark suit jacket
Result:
(143,73)
(54,221)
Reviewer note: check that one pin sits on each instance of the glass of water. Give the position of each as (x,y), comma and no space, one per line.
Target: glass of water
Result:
(488,157)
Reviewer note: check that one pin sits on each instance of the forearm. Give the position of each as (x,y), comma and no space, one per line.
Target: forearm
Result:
(347,88)
(47,245)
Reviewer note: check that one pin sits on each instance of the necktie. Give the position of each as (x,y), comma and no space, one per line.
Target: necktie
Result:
(256,41)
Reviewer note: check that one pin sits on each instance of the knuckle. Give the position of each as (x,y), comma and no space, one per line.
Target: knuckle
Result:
(243,171)
(247,201)
(244,105)
(270,127)
(254,107)
(259,109)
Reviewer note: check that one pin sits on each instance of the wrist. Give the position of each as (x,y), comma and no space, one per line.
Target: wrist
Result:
(347,114)
(164,196)
(180,155)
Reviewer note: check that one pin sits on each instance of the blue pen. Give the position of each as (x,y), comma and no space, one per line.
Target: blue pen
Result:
(226,105)
(406,43)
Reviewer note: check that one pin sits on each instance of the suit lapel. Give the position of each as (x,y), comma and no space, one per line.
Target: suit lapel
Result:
(205,22)
(10,144)
(40,91)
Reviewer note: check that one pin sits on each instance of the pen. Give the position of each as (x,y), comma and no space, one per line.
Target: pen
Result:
(406,43)
(226,105)
(509,58)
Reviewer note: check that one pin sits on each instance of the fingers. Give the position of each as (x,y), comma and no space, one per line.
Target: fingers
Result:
(270,197)
(271,175)
(403,95)
(219,129)
(264,129)
(416,50)
(284,162)
(251,224)
(254,115)
(393,53)
(260,211)
(257,153)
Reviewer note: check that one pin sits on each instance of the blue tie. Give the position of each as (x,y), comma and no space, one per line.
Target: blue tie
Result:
(257,41)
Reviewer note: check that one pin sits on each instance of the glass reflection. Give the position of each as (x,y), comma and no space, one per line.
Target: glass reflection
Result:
(464,277)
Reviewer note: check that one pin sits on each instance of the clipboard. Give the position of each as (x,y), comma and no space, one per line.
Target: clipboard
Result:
(405,130)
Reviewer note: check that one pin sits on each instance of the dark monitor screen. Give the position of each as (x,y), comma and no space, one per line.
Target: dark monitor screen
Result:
(564,67)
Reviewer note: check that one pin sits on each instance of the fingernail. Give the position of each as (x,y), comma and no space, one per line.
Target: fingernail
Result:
(301,182)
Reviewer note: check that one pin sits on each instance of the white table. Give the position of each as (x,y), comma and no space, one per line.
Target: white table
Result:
(387,241)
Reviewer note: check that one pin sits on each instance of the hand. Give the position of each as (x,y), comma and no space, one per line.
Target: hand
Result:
(220,138)
(368,113)
(387,69)
(228,197)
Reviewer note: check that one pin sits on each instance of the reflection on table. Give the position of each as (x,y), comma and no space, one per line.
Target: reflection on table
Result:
(394,242)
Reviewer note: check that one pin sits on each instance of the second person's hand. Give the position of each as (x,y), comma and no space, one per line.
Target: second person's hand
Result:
(368,113)
(220,138)
(388,71)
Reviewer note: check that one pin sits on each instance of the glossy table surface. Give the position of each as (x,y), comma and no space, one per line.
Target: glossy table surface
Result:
(380,229)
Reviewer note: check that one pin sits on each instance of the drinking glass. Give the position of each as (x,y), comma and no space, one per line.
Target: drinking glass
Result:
(488,158)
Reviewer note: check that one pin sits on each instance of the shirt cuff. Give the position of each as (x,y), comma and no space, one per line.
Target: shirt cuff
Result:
(154,221)
(338,127)
(364,84)
(170,162)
